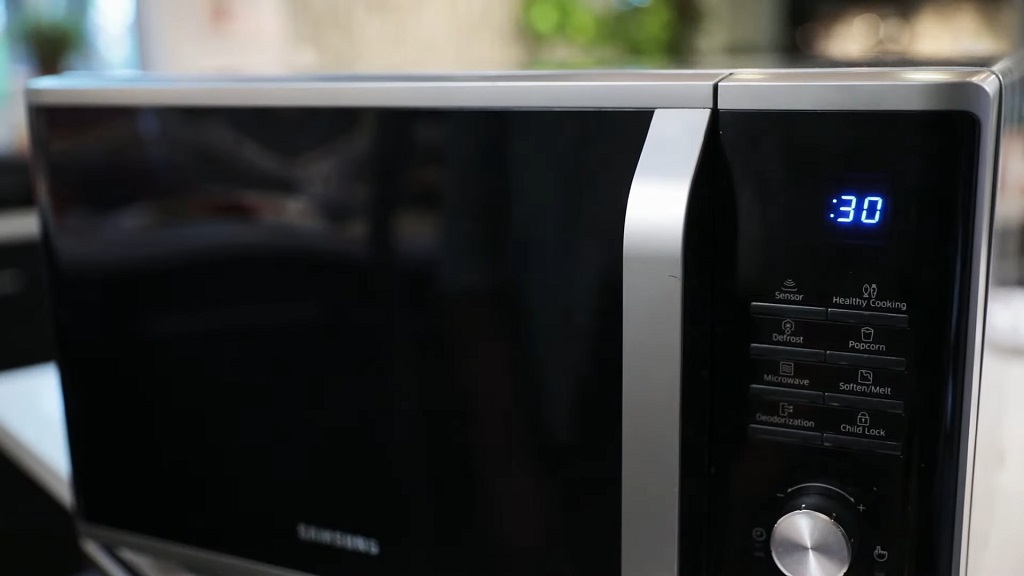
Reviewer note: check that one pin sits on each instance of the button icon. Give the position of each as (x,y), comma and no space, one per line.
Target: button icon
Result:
(869,290)
(788,326)
(865,376)
(786,368)
(759,534)
(881,555)
(785,409)
(867,334)
(789,285)
(863,419)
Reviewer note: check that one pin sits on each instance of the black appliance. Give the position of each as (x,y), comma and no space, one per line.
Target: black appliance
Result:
(637,323)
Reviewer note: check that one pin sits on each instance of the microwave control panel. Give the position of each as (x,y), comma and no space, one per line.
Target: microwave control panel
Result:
(842,265)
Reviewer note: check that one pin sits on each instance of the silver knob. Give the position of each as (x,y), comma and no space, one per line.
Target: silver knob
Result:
(808,543)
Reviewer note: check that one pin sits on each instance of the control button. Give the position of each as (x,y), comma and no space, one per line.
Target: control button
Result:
(866,360)
(783,287)
(831,378)
(862,317)
(789,332)
(869,424)
(866,291)
(835,441)
(861,338)
(880,554)
(784,435)
(773,393)
(808,543)
(787,311)
(786,353)
(837,336)
(789,415)
(862,402)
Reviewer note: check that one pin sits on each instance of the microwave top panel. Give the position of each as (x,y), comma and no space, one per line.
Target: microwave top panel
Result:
(631,89)
(861,88)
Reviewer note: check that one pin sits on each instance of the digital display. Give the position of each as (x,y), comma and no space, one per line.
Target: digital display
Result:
(856,210)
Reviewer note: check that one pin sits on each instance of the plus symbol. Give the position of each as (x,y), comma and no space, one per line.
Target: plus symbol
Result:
(861,508)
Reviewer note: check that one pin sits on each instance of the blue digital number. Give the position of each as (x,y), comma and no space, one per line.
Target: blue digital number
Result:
(849,209)
(850,206)
(877,200)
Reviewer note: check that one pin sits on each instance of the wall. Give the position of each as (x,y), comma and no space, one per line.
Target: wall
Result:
(211,36)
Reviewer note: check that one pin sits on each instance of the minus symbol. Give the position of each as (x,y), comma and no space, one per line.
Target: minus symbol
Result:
(781,494)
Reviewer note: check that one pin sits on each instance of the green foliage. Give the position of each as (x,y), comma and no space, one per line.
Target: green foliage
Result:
(588,32)
(50,40)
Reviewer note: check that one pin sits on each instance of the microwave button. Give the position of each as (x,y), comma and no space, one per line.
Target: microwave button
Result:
(787,311)
(786,353)
(875,318)
(847,401)
(789,394)
(866,360)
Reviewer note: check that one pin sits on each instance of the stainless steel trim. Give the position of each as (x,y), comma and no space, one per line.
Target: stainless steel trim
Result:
(855,89)
(43,473)
(652,301)
(19,225)
(629,89)
(103,559)
(985,104)
(189,556)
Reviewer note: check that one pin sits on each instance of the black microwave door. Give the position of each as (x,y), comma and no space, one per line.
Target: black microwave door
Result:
(345,341)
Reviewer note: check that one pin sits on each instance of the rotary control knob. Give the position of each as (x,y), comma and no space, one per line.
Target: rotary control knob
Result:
(809,540)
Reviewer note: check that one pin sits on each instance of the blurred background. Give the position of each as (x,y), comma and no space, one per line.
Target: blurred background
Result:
(308,36)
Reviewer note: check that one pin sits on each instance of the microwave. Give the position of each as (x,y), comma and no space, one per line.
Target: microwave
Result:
(641,323)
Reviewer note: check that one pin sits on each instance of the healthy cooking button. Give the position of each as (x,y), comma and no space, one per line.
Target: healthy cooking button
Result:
(871,424)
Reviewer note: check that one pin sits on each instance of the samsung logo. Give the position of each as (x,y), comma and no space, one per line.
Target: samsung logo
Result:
(338,539)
